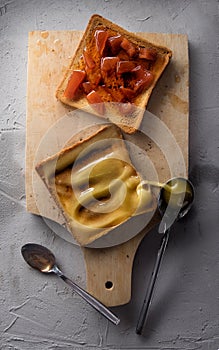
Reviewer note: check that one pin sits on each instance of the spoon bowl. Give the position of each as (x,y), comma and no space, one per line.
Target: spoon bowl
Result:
(177,192)
(175,199)
(42,259)
(38,257)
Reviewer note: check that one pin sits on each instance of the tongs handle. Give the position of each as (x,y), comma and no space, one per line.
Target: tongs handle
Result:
(150,290)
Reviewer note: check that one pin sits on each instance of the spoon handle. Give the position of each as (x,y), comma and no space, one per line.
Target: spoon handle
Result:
(91,300)
(150,290)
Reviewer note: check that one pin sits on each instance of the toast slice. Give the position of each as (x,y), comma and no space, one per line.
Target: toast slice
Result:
(111,72)
(94,184)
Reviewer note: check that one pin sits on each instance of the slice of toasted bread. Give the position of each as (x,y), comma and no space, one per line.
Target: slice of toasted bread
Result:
(94,184)
(115,86)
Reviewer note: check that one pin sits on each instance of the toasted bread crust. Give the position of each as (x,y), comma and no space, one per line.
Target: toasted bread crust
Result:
(127,123)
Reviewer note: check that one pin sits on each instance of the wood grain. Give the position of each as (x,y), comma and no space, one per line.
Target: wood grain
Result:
(49,54)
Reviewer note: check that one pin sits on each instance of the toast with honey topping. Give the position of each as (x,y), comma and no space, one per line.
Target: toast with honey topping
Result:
(111,72)
(94,184)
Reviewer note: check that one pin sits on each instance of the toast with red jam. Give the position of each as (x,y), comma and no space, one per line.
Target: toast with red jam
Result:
(113,73)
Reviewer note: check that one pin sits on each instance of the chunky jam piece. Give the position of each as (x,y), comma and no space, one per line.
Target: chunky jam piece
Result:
(111,69)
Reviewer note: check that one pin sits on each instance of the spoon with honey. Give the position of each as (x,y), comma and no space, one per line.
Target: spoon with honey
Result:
(42,259)
(175,200)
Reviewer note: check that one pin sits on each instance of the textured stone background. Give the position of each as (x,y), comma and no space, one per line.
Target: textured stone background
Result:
(41,313)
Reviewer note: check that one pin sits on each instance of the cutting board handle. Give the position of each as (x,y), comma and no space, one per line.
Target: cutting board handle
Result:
(109,270)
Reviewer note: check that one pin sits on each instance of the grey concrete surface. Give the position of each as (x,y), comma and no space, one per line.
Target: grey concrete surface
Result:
(42,313)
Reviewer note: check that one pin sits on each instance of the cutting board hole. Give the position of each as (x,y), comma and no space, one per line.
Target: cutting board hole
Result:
(109,285)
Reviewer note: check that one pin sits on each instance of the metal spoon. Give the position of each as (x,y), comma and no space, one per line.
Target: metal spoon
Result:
(175,200)
(42,259)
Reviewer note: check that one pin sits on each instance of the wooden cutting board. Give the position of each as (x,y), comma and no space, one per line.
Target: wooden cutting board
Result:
(109,270)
